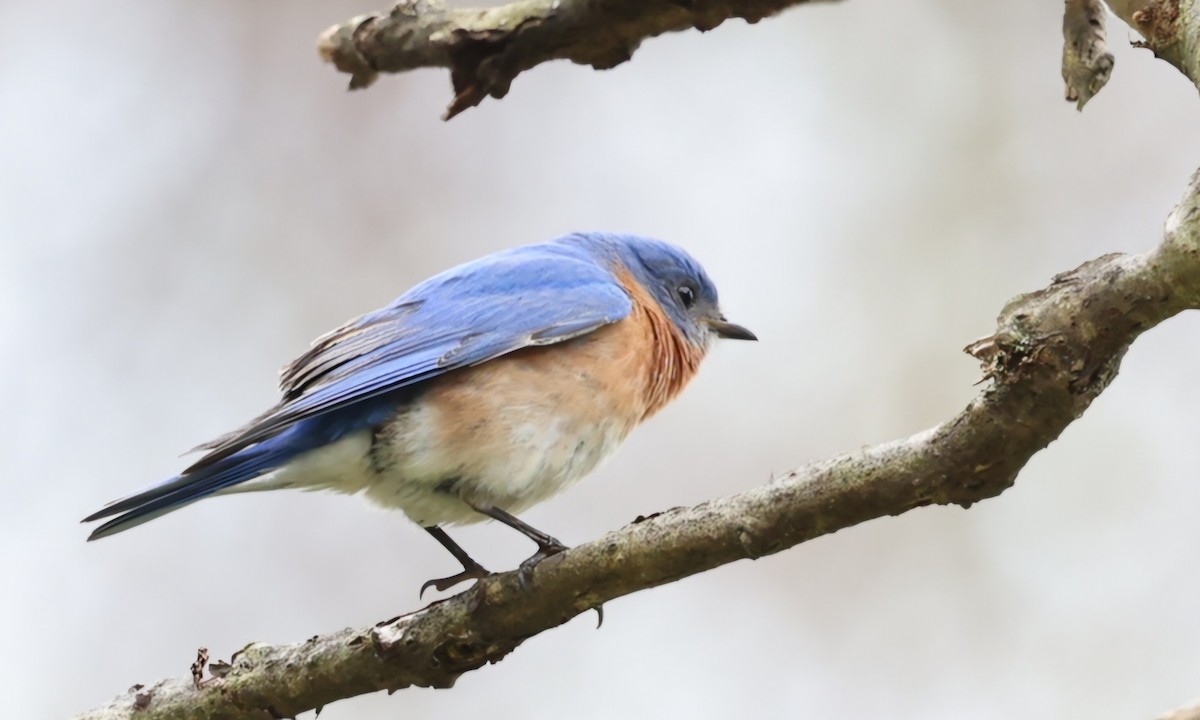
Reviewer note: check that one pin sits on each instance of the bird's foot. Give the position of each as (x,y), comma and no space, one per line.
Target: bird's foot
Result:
(472,572)
(547,547)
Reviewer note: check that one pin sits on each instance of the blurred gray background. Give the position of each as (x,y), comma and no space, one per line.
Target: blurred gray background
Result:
(188,196)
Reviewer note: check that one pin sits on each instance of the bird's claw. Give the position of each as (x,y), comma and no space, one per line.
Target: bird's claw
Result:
(478,572)
(546,549)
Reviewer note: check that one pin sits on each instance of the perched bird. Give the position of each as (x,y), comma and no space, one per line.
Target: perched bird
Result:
(477,394)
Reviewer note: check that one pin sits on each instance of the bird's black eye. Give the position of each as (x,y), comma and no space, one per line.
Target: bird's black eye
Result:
(687,296)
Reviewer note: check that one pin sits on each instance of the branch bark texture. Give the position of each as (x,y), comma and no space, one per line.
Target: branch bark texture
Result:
(485,49)
(1053,352)
(1170,28)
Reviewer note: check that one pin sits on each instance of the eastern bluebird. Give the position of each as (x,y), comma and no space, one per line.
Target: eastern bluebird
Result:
(477,394)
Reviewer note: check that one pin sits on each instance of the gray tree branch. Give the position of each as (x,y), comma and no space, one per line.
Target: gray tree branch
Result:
(1054,350)
(485,49)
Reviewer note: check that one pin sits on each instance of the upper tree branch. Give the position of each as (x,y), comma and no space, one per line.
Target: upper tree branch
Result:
(1053,352)
(484,49)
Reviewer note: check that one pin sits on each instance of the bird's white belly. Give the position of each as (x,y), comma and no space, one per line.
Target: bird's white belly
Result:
(512,461)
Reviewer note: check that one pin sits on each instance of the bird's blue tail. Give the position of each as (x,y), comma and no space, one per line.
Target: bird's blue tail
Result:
(185,489)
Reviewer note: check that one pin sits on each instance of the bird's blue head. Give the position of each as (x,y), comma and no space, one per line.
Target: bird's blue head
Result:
(677,281)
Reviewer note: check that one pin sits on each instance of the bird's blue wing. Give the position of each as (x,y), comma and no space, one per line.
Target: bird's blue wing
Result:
(535,295)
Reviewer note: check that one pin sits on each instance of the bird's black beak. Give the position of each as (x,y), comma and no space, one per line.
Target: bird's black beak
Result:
(730,331)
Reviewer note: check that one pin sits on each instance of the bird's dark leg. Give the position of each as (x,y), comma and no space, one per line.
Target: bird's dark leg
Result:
(547,544)
(471,569)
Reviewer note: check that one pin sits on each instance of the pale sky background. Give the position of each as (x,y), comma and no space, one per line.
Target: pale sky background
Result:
(188,196)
